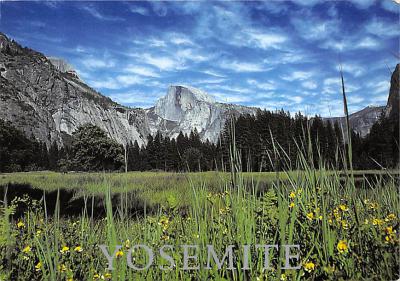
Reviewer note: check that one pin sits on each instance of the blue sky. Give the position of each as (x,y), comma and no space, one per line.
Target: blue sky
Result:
(273,55)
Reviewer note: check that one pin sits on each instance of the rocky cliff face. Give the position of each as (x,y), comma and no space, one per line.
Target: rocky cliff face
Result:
(185,109)
(44,97)
(44,100)
(62,66)
(393,104)
(361,121)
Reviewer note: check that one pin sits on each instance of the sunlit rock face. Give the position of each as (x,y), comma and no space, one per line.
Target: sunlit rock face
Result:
(45,99)
(186,108)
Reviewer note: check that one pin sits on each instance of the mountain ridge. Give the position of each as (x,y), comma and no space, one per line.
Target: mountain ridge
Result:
(46,98)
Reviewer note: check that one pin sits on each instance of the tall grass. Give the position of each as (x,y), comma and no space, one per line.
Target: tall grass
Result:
(344,232)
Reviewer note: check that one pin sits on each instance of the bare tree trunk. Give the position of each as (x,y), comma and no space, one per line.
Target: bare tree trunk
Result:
(126,159)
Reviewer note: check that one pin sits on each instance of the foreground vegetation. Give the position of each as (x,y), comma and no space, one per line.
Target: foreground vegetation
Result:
(343,232)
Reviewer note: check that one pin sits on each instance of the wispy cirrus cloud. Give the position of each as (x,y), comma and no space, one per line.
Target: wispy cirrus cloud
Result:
(142,71)
(136,9)
(298,75)
(93,10)
(382,28)
(238,66)
(349,44)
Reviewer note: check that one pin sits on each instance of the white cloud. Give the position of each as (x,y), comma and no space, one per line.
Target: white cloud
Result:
(314,28)
(367,43)
(379,99)
(298,75)
(262,85)
(295,99)
(161,62)
(332,81)
(264,40)
(333,85)
(351,44)
(213,73)
(355,99)
(141,70)
(391,6)
(311,85)
(153,42)
(139,10)
(354,69)
(229,88)
(380,87)
(98,63)
(119,82)
(179,39)
(211,81)
(159,8)
(237,66)
(383,28)
(93,11)
(308,3)
(230,98)
(128,80)
(363,4)
(189,54)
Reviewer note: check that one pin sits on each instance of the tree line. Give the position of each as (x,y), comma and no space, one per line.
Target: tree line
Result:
(267,141)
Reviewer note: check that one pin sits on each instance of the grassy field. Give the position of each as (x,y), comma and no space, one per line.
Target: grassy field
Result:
(344,232)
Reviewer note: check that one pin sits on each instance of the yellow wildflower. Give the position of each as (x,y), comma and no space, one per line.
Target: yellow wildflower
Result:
(310,216)
(97,276)
(164,222)
(27,249)
(107,275)
(292,195)
(390,217)
(345,225)
(390,238)
(165,237)
(283,277)
(20,224)
(343,207)
(38,266)
(78,249)
(64,250)
(62,268)
(374,206)
(377,221)
(291,205)
(119,254)
(389,230)
(309,266)
(342,247)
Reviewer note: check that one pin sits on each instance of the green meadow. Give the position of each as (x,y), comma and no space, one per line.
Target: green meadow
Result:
(346,225)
